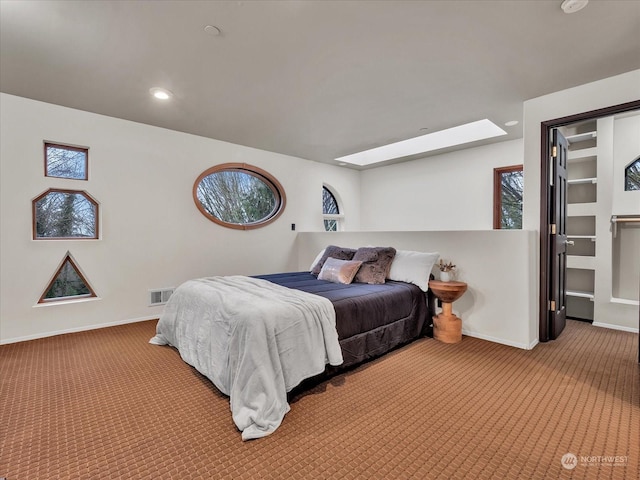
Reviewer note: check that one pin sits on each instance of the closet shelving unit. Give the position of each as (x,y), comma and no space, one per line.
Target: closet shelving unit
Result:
(581,218)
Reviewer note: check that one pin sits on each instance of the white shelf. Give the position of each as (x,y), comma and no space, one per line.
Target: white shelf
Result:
(584,161)
(582,137)
(582,154)
(577,293)
(625,301)
(581,209)
(586,237)
(583,262)
(577,181)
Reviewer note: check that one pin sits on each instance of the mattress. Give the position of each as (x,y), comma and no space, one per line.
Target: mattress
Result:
(370,319)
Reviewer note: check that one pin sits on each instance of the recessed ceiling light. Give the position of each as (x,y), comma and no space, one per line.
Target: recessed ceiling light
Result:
(511,123)
(160,93)
(450,137)
(573,6)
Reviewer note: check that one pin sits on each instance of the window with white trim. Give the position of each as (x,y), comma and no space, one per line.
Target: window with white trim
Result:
(331,211)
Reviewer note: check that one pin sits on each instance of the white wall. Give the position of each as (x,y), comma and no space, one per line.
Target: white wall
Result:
(591,96)
(609,267)
(453,191)
(152,235)
(496,264)
(626,148)
(617,268)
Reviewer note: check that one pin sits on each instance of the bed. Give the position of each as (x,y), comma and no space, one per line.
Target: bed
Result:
(370,319)
(257,338)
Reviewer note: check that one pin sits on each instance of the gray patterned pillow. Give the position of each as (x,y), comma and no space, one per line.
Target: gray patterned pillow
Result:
(376,262)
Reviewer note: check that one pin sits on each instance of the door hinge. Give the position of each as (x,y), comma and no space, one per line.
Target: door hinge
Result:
(552,305)
(552,229)
(554,152)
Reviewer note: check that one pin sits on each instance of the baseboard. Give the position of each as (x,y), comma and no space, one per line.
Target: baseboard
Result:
(153,317)
(502,341)
(75,330)
(615,327)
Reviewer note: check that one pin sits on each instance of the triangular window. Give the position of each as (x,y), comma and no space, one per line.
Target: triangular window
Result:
(67,283)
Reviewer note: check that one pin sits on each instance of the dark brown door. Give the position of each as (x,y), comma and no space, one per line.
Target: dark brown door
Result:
(558,236)
(548,209)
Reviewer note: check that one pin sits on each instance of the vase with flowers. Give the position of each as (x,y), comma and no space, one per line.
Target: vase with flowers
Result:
(447,271)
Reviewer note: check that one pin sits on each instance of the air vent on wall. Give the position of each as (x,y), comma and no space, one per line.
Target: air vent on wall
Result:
(159,297)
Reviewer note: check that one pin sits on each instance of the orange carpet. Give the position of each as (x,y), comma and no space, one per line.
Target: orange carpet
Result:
(104,404)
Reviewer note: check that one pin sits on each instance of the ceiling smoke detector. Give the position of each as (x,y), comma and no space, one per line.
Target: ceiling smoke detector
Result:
(573,6)
(212,30)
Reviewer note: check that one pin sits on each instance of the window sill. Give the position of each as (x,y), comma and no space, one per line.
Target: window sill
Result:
(66,302)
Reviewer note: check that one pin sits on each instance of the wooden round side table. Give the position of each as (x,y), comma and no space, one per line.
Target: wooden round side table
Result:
(447,327)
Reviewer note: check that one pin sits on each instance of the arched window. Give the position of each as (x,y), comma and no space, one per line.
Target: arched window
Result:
(632,175)
(240,196)
(330,211)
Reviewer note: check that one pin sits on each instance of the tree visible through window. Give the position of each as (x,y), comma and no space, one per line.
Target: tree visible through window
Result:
(329,208)
(238,196)
(508,187)
(66,162)
(65,214)
(67,282)
(632,175)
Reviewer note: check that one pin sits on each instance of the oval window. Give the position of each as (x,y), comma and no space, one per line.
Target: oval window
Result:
(237,195)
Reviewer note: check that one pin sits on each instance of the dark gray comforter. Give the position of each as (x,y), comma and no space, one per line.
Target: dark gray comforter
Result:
(370,319)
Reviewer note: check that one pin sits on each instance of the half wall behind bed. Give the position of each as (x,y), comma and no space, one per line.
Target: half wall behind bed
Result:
(499,304)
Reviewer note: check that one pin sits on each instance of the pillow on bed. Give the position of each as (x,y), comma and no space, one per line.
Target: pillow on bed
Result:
(317,259)
(339,271)
(376,262)
(413,267)
(332,251)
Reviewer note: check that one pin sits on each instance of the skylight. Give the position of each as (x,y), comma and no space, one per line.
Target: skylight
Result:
(469,132)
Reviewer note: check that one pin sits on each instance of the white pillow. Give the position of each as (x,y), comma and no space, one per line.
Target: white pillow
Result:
(317,259)
(413,267)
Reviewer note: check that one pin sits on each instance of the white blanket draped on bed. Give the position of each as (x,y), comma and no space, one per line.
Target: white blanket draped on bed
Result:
(253,339)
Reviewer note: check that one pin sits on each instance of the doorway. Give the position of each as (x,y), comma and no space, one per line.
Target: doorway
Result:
(552,211)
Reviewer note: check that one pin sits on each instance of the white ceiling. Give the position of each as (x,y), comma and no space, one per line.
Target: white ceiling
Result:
(312,79)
